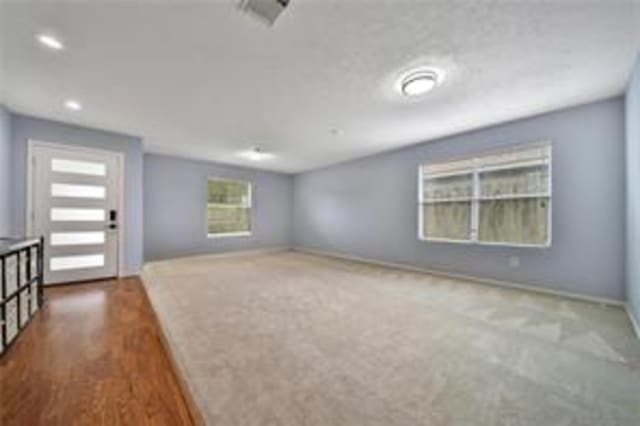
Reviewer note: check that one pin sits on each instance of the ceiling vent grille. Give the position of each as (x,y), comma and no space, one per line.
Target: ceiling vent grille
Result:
(266,10)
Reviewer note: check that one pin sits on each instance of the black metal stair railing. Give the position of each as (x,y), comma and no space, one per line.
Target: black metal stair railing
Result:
(21,286)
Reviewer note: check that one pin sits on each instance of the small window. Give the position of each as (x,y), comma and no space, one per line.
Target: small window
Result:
(502,198)
(228,208)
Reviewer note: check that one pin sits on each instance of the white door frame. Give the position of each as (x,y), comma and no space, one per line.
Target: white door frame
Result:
(32,144)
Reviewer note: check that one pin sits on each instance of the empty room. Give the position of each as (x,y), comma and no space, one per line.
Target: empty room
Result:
(320,212)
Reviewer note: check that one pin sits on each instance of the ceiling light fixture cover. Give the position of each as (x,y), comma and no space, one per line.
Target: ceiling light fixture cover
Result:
(265,10)
(50,41)
(73,105)
(256,154)
(419,82)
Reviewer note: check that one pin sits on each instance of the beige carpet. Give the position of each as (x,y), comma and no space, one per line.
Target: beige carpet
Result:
(295,339)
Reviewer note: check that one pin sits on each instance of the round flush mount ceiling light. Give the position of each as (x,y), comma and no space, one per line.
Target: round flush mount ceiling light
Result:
(50,41)
(420,81)
(256,154)
(72,105)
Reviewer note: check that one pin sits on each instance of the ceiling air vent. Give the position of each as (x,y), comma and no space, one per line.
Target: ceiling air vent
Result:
(266,10)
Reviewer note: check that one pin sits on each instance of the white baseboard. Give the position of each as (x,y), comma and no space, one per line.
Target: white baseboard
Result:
(455,275)
(128,274)
(632,318)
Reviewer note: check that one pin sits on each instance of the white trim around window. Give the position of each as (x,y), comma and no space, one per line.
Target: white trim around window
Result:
(521,156)
(247,204)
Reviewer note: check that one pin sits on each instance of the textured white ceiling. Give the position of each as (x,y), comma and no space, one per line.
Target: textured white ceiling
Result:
(202,80)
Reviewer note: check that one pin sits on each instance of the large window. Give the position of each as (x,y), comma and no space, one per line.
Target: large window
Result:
(228,207)
(500,198)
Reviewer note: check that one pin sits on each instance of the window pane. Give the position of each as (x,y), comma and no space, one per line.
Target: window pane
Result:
(76,262)
(518,157)
(520,181)
(454,167)
(78,167)
(500,197)
(222,219)
(77,191)
(458,186)
(229,192)
(521,221)
(77,215)
(447,220)
(76,238)
(229,206)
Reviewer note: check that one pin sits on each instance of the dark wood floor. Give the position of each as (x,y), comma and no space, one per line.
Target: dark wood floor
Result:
(92,356)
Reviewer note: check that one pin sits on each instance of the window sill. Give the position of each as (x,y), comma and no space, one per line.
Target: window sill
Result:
(485,243)
(230,234)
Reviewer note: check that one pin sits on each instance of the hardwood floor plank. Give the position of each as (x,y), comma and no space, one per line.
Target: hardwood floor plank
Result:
(93,356)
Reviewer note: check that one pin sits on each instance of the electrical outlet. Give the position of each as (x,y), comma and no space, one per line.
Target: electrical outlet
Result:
(514,261)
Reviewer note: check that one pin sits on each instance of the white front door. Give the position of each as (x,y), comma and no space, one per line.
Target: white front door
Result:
(74,205)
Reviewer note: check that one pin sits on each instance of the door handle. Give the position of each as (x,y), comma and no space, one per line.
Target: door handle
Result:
(113,217)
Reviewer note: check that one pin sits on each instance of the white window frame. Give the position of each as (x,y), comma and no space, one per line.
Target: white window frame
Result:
(476,198)
(250,206)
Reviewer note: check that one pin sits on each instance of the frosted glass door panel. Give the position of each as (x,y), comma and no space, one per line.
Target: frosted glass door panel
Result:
(77,238)
(89,168)
(78,191)
(77,262)
(77,215)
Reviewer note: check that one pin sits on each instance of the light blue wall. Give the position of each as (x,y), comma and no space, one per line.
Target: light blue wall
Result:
(5,173)
(633,191)
(368,207)
(25,128)
(175,208)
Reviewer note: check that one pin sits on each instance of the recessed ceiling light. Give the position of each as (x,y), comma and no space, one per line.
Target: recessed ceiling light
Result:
(72,105)
(419,82)
(256,154)
(50,41)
